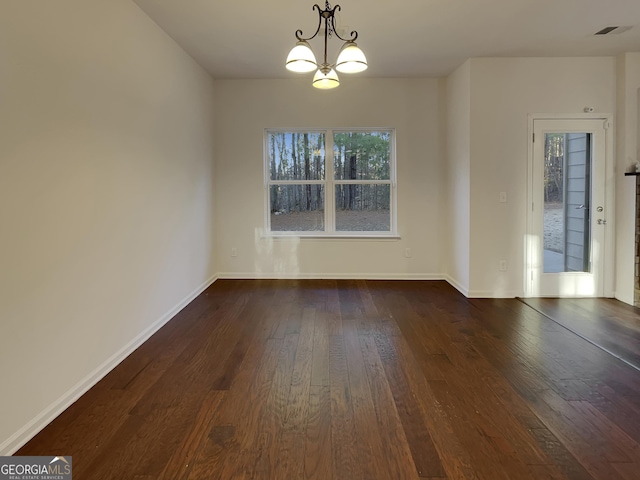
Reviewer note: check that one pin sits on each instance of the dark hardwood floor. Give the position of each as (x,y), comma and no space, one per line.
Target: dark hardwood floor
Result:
(326,379)
(610,324)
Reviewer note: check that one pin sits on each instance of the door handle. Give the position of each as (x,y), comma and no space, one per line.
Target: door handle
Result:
(582,207)
(601,221)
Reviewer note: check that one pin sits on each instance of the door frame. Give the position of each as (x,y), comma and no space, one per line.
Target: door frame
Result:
(609,195)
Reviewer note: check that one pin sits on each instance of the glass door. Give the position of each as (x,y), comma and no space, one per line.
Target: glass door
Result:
(566,235)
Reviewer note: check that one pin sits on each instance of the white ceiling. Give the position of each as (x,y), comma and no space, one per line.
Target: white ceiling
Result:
(401,38)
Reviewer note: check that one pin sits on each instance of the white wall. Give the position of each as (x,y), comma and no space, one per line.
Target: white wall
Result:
(106,199)
(628,153)
(246,107)
(503,92)
(457,177)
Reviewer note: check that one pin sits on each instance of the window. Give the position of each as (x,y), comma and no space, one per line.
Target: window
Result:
(330,182)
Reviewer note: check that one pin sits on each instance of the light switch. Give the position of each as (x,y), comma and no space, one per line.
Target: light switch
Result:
(503,197)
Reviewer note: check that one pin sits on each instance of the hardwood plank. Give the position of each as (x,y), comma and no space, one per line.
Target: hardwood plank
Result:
(320,354)
(551,472)
(394,441)
(290,456)
(456,461)
(370,450)
(181,460)
(317,448)
(486,462)
(242,410)
(579,437)
(271,412)
(623,411)
(423,451)
(562,458)
(610,433)
(297,407)
(345,460)
(628,471)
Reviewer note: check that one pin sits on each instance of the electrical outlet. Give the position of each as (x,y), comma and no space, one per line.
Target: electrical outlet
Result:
(407,252)
(503,265)
(234,252)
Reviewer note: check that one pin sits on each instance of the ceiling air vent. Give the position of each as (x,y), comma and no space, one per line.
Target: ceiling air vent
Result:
(617,30)
(605,30)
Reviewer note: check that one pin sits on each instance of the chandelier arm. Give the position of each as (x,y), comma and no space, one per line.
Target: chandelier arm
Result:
(299,32)
(353,34)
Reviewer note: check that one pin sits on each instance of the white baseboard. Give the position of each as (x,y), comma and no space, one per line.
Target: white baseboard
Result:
(27,432)
(331,276)
(457,285)
(493,294)
(624,298)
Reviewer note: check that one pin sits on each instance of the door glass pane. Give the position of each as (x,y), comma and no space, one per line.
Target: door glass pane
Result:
(567,192)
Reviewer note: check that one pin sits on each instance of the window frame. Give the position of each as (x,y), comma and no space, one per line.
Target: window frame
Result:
(329,183)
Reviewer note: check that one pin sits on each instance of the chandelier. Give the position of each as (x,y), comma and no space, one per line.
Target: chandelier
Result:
(350,59)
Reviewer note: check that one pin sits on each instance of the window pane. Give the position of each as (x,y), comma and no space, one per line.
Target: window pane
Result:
(296,155)
(362,155)
(297,208)
(362,208)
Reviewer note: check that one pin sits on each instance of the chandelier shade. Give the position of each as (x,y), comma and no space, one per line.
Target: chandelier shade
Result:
(351,58)
(326,81)
(301,58)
